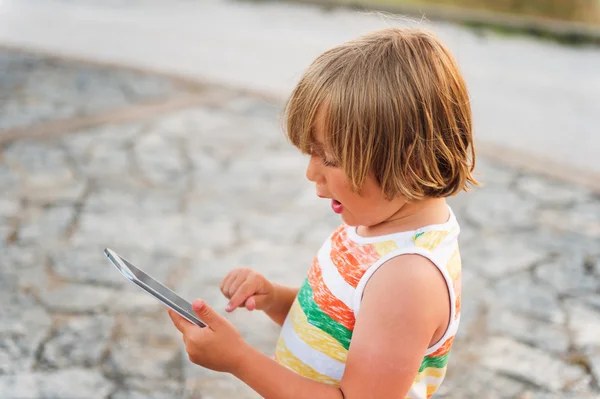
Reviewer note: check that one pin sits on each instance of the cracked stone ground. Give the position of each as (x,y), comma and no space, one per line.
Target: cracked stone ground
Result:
(190,193)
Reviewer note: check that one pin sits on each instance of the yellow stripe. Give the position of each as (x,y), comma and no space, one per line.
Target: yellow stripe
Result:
(287,358)
(431,390)
(420,377)
(454,264)
(385,247)
(434,372)
(314,337)
(431,239)
(430,372)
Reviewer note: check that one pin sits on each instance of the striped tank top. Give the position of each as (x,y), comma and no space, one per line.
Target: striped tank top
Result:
(316,334)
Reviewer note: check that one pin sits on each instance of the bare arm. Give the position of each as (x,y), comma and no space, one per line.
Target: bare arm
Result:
(283,298)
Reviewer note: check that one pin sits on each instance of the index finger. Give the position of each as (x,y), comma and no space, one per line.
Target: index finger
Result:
(240,296)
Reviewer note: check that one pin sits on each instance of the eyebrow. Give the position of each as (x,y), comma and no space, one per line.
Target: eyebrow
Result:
(313,140)
(318,147)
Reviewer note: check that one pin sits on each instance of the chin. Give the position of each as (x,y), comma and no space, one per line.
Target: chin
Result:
(350,221)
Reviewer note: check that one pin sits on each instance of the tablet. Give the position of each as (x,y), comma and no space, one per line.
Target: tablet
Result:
(154,288)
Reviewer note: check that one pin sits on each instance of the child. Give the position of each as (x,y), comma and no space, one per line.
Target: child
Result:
(386,122)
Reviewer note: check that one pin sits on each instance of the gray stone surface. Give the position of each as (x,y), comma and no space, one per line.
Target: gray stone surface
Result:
(47,225)
(193,193)
(84,265)
(160,160)
(145,388)
(132,200)
(594,364)
(523,362)
(568,275)
(523,255)
(493,173)
(9,206)
(64,384)
(549,337)
(67,193)
(592,300)
(476,382)
(484,210)
(24,325)
(549,192)
(544,395)
(584,323)
(583,218)
(36,89)
(145,348)
(519,293)
(38,163)
(79,341)
(77,298)
(87,264)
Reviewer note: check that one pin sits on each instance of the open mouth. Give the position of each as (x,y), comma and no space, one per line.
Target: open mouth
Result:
(337,206)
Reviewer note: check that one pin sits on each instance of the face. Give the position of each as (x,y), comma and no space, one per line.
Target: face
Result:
(368,208)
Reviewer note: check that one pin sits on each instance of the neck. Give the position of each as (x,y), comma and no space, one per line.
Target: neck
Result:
(411,216)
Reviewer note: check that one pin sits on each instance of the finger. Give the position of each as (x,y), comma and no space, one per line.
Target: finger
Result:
(250,303)
(178,321)
(260,301)
(240,296)
(237,282)
(207,314)
(227,282)
(231,278)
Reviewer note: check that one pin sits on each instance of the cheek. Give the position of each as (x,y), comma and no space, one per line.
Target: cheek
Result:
(336,180)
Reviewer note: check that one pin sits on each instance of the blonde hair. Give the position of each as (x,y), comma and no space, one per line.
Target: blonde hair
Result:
(394,104)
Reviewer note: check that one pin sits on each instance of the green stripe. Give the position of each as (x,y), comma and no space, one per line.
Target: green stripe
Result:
(439,362)
(320,319)
(416,236)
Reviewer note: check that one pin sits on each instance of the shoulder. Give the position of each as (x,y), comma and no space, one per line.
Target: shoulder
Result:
(408,270)
(412,280)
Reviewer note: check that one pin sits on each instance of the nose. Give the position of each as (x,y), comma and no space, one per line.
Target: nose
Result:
(312,170)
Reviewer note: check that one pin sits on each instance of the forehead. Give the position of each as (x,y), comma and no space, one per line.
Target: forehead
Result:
(318,128)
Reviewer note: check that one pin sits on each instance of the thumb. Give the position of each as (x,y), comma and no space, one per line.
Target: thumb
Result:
(257,302)
(207,314)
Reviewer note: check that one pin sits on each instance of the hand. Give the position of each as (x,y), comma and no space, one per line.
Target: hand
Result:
(218,347)
(246,288)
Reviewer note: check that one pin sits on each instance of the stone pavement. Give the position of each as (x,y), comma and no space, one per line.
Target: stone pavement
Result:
(191,193)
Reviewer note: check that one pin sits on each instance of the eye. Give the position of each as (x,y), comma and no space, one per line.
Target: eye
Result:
(327,163)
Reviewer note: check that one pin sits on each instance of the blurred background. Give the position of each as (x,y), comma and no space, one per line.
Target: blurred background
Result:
(153,127)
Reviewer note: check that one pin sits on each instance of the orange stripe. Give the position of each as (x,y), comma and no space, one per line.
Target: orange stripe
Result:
(457,283)
(350,258)
(445,348)
(328,302)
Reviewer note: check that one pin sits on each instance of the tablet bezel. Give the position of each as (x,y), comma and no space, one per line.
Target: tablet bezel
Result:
(155,288)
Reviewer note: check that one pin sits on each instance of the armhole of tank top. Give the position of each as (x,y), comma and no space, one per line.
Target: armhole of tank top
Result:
(358,293)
